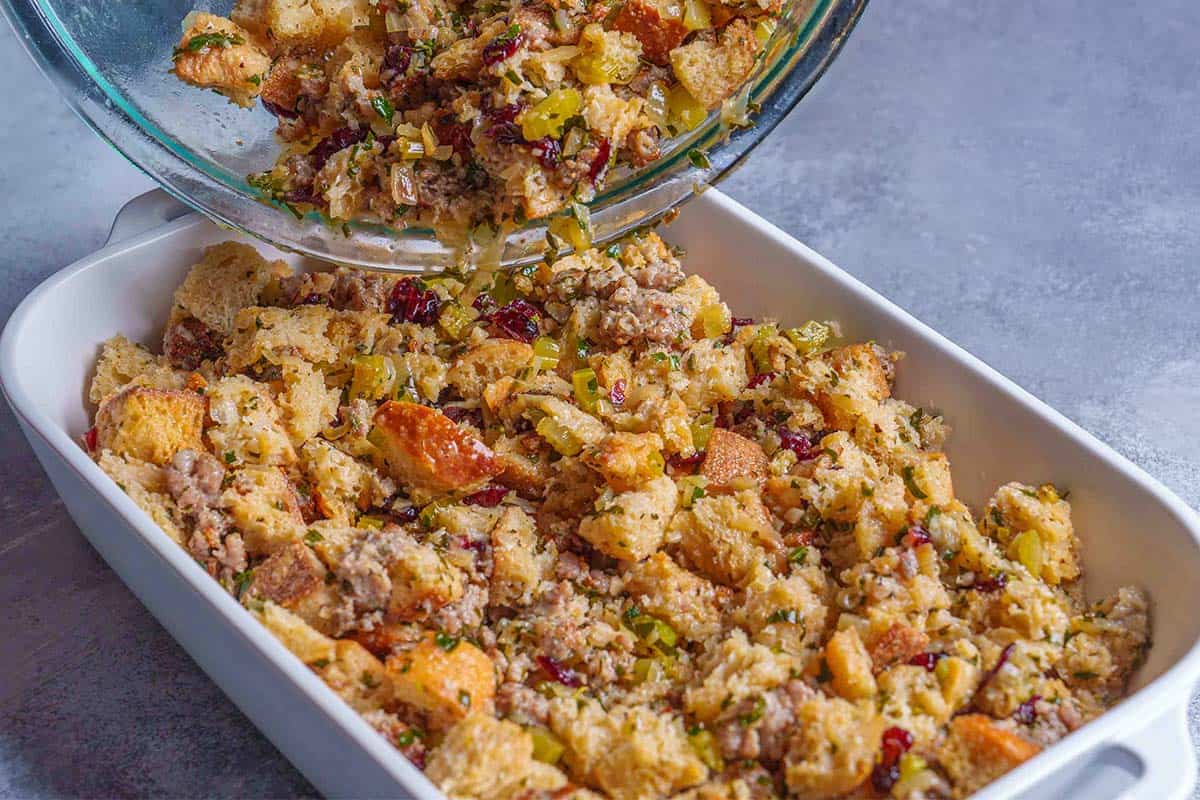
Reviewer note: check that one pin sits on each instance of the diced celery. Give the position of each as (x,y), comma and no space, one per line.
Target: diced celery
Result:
(455,320)
(764,30)
(696,16)
(587,389)
(910,765)
(369,522)
(547,747)
(684,111)
(691,489)
(705,745)
(809,337)
(760,348)
(656,104)
(702,428)
(549,115)
(503,290)
(656,462)
(429,514)
(716,320)
(376,437)
(573,230)
(558,436)
(649,669)
(1028,548)
(656,633)
(545,354)
(373,377)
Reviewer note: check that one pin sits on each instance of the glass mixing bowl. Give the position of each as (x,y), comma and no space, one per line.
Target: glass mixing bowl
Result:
(110,59)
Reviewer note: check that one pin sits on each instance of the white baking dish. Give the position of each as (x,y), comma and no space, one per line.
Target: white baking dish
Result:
(1133,529)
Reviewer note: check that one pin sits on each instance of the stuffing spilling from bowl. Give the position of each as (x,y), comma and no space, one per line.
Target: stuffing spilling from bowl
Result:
(450,115)
(576,531)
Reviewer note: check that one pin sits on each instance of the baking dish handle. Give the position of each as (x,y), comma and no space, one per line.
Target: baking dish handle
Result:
(1168,760)
(143,213)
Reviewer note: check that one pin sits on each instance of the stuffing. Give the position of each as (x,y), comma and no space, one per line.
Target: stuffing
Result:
(150,424)
(712,70)
(444,679)
(631,525)
(423,447)
(217,54)
(687,602)
(977,751)
(723,536)
(263,505)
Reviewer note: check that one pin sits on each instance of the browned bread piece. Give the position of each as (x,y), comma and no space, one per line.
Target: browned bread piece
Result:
(150,424)
(426,449)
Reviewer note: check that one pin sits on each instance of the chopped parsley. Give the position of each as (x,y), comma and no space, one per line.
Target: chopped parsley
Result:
(699,158)
(784,615)
(798,555)
(910,483)
(383,107)
(446,641)
(241,582)
(205,40)
(313,536)
(229,457)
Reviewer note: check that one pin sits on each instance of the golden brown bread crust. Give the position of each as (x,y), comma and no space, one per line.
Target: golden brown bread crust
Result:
(729,457)
(150,424)
(425,448)
(446,680)
(658,32)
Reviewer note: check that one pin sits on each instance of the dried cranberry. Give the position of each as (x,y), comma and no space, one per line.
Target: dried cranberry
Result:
(895,743)
(547,151)
(458,414)
(688,464)
(559,671)
(90,438)
(395,63)
(487,498)
(335,142)
(502,47)
(457,135)
(483,303)
(1026,713)
(760,379)
(406,514)
(741,322)
(517,320)
(304,194)
(988,585)
(411,302)
(279,111)
(927,660)
(505,113)
(600,161)
(616,395)
(916,536)
(313,299)
(798,443)
(1000,662)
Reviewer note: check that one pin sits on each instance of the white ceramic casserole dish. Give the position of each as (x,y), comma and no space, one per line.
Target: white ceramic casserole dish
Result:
(1133,529)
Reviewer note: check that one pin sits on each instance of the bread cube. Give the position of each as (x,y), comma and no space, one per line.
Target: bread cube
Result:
(847,659)
(215,53)
(306,404)
(832,748)
(526,463)
(627,461)
(482,758)
(517,567)
(229,277)
(731,459)
(784,613)
(977,751)
(422,580)
(358,677)
(123,362)
(341,485)
(1014,511)
(723,536)
(630,753)
(486,363)
(857,384)
(425,449)
(445,682)
(304,641)
(631,525)
(248,426)
(735,671)
(311,23)
(656,24)
(271,334)
(712,71)
(150,424)
(294,578)
(684,600)
(264,508)
(714,373)
(146,485)
(898,644)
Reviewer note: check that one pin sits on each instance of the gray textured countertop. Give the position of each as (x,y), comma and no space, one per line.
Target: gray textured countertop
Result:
(1023,177)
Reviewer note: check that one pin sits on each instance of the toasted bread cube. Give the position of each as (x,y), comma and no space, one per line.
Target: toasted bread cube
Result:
(306,404)
(656,24)
(445,684)
(724,536)
(358,677)
(517,567)
(929,474)
(630,752)
(714,373)
(573,427)
(486,363)
(248,426)
(786,614)
(735,671)
(731,458)
(687,602)
(294,578)
(150,424)
(215,53)
(977,751)
(123,362)
(145,484)
(627,461)
(340,484)
(274,333)
(847,659)
(1017,509)
(422,580)
(897,645)
(525,458)
(712,71)
(424,448)
(310,23)
(229,277)
(482,757)
(307,643)
(833,747)
(860,384)
(631,525)
(264,508)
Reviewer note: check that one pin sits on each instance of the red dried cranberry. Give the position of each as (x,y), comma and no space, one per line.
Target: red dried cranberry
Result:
(895,743)
(798,443)
(916,536)
(487,498)
(741,322)
(458,414)
(505,113)
(279,111)
(547,151)
(559,671)
(90,438)
(411,302)
(616,395)
(883,778)
(988,585)
(457,135)
(1026,713)
(304,194)
(760,379)
(927,660)
(1000,662)
(600,161)
(335,142)
(395,63)
(688,464)
(517,320)
(502,47)
(313,299)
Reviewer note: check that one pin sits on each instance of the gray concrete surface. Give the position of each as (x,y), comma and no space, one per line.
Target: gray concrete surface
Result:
(1025,177)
